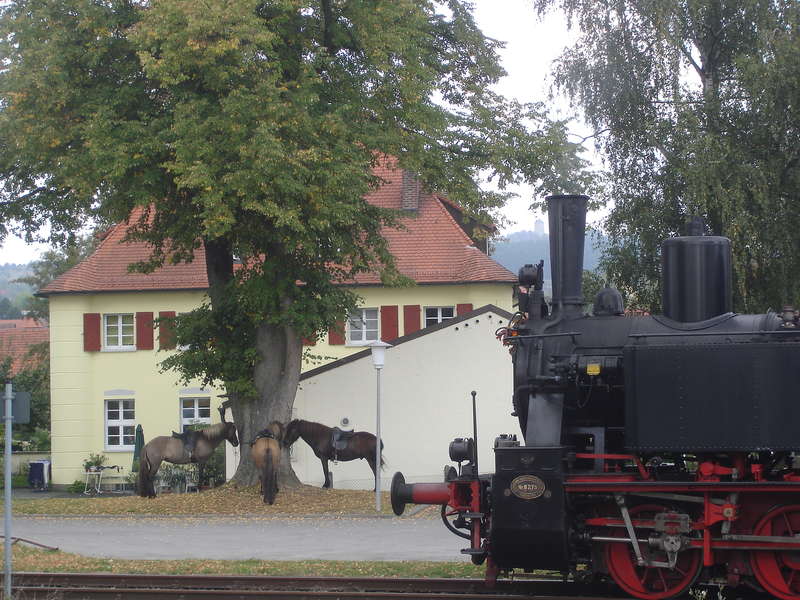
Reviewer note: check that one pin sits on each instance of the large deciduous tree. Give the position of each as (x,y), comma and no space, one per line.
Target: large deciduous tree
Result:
(247,130)
(695,107)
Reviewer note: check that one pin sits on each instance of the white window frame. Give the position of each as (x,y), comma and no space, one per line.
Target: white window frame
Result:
(439,317)
(195,419)
(121,423)
(120,337)
(365,334)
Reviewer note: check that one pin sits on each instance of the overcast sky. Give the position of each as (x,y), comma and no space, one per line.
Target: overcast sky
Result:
(531,46)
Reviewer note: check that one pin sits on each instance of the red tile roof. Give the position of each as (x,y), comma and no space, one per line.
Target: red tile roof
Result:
(433,248)
(16,342)
(19,323)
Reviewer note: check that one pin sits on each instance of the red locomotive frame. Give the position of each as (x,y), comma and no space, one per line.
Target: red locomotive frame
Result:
(743,530)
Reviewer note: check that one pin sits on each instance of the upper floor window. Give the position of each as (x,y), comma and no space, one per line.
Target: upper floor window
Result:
(438,314)
(195,411)
(118,331)
(362,326)
(120,424)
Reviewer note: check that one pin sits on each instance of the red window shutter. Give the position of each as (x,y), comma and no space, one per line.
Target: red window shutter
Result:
(411,314)
(336,334)
(309,341)
(462,309)
(166,330)
(144,331)
(91,332)
(389,326)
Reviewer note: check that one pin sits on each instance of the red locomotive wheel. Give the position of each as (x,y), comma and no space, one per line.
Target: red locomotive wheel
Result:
(651,583)
(779,572)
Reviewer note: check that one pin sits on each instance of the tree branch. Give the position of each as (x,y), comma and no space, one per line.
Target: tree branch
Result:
(581,140)
(327,27)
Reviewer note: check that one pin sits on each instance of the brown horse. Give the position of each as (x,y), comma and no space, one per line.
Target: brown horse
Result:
(266,453)
(361,444)
(173,450)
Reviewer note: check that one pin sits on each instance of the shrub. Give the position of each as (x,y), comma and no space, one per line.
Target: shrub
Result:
(40,440)
(214,470)
(77,487)
(176,476)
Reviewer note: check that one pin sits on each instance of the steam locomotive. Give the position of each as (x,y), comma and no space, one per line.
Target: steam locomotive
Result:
(658,451)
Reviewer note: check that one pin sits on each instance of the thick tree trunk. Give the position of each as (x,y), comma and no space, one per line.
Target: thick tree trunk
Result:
(275,377)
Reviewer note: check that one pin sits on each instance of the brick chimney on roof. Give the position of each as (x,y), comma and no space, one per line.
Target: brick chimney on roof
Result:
(410,192)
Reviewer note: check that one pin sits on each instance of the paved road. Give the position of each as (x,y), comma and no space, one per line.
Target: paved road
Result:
(307,538)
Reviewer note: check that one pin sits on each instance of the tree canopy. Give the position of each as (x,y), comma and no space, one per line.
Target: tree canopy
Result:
(247,129)
(694,103)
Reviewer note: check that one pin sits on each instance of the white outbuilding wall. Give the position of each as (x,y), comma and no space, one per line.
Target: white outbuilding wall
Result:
(425,401)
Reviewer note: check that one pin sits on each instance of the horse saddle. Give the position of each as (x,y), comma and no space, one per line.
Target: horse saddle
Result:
(264,433)
(340,438)
(189,439)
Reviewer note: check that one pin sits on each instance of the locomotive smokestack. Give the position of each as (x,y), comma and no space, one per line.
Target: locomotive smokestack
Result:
(567,214)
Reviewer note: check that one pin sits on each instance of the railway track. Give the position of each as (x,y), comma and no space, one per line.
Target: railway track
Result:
(55,586)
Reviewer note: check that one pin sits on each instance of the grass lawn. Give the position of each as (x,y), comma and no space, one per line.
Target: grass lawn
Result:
(225,500)
(26,558)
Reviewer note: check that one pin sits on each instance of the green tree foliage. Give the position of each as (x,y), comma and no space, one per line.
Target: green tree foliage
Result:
(695,106)
(248,128)
(8,310)
(592,282)
(52,264)
(33,376)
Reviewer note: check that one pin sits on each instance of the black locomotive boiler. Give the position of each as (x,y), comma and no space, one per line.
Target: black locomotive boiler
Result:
(660,451)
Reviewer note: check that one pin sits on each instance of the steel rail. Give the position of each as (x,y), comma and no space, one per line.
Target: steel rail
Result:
(106,585)
(37,593)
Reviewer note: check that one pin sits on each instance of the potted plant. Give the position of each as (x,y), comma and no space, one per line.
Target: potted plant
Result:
(94,462)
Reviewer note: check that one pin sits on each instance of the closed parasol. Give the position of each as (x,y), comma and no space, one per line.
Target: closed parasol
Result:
(138,444)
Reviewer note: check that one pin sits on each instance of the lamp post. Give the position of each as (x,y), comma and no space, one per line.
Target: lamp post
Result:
(378,349)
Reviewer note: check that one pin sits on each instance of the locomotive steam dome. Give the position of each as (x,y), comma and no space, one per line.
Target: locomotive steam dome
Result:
(696,277)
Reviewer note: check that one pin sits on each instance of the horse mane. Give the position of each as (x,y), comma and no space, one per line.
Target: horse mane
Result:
(213,432)
(310,428)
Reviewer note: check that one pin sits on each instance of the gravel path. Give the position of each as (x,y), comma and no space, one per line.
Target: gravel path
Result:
(306,538)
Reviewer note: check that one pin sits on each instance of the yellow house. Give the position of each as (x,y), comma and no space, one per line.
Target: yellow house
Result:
(105,353)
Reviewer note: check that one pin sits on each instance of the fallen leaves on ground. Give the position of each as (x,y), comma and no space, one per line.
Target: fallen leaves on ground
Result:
(26,558)
(228,499)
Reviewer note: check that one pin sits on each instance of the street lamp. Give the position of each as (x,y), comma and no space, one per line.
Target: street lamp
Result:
(378,349)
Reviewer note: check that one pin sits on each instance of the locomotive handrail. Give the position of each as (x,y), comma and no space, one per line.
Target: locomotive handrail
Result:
(543,335)
(717,333)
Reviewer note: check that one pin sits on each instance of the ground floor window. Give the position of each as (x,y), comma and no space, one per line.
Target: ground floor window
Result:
(195,411)
(120,424)
(438,314)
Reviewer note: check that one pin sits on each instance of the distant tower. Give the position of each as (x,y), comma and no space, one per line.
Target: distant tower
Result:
(538,226)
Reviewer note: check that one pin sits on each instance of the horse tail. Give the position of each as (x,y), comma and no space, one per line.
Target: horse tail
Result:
(268,478)
(383,462)
(145,485)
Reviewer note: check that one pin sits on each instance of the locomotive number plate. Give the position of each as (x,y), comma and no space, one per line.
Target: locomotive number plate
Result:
(527,487)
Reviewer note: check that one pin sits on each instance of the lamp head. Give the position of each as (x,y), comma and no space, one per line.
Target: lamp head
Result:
(378,349)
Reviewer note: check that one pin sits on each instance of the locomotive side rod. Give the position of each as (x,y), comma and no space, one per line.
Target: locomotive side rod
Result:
(769,542)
